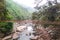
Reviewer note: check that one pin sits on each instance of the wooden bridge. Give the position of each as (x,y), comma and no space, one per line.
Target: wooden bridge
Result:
(33,21)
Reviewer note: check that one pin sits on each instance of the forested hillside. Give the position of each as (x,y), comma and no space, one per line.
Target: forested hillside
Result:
(2,10)
(13,11)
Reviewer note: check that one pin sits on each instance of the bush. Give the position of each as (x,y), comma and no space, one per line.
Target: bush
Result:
(6,27)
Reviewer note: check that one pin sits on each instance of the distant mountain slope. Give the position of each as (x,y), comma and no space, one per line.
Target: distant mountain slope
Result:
(16,11)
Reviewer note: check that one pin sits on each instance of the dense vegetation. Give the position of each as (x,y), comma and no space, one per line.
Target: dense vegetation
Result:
(13,11)
(6,28)
(16,11)
(2,10)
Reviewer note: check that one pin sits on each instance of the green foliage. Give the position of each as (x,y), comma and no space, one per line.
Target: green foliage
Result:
(6,27)
(13,11)
(16,12)
(3,12)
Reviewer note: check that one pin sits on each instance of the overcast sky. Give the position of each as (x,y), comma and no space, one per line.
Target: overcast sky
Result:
(30,3)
